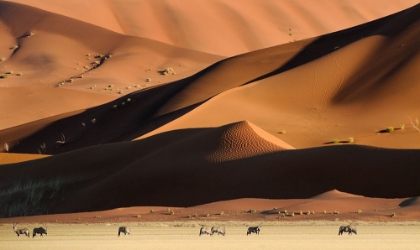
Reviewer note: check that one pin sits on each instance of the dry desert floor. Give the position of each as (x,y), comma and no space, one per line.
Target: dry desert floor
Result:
(300,235)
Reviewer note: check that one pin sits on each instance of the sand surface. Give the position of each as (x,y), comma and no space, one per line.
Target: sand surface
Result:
(182,236)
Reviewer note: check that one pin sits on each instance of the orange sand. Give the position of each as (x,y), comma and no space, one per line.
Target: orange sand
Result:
(269,106)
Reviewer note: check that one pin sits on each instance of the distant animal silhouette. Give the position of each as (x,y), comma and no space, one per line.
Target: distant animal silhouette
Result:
(255,230)
(125,230)
(39,230)
(348,229)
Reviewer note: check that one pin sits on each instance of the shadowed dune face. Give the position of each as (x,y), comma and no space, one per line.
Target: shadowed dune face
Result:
(159,119)
(182,174)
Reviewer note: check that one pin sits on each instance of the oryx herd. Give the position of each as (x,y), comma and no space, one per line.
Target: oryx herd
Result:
(219,230)
(350,229)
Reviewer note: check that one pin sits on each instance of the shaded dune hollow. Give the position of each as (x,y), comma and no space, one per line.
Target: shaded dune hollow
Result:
(174,169)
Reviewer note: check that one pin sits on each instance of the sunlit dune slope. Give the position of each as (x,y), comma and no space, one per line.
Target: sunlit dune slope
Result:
(353,83)
(7,158)
(220,26)
(52,64)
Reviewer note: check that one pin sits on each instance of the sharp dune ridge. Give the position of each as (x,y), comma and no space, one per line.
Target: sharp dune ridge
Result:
(118,116)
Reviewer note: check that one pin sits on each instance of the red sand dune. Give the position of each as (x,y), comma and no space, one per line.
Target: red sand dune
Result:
(354,83)
(62,49)
(223,27)
(254,131)
(305,84)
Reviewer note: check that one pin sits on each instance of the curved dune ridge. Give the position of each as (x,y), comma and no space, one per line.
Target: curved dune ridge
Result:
(143,114)
(235,28)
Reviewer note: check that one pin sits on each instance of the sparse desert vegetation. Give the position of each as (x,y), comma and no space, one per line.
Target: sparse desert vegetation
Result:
(167,71)
(391,129)
(415,124)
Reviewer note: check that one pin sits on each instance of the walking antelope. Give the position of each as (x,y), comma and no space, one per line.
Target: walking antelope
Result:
(125,230)
(218,230)
(255,230)
(347,229)
(20,231)
(40,230)
(205,230)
